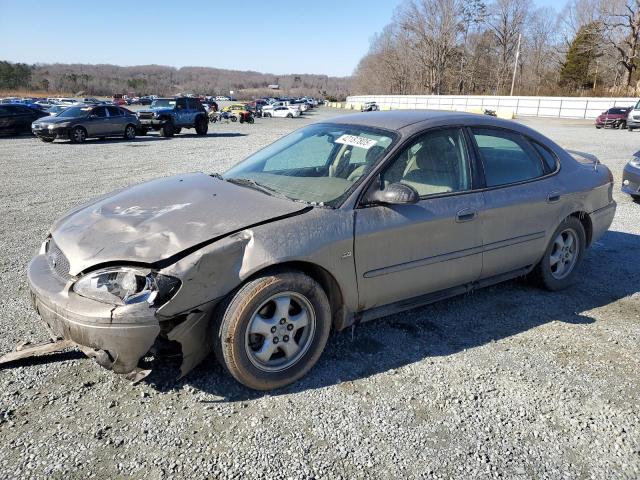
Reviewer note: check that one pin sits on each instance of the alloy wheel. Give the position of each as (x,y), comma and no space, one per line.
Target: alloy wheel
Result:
(564,254)
(280,332)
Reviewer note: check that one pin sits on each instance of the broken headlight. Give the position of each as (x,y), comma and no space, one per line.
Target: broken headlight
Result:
(126,285)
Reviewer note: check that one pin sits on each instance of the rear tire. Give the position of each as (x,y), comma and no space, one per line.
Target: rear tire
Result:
(289,115)
(622,125)
(130,132)
(202,126)
(46,140)
(562,258)
(233,118)
(168,130)
(177,130)
(273,329)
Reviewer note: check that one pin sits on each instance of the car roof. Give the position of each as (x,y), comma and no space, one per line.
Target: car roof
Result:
(420,119)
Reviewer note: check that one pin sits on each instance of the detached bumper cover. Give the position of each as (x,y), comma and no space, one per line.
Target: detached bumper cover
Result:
(123,333)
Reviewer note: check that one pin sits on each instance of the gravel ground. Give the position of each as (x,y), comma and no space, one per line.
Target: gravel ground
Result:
(509,382)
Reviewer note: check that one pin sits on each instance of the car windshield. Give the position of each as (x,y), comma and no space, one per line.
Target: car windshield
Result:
(74,112)
(317,164)
(163,103)
(617,111)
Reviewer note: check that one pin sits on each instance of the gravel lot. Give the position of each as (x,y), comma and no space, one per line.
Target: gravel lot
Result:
(509,382)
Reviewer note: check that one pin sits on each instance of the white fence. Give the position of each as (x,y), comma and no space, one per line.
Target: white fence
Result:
(562,107)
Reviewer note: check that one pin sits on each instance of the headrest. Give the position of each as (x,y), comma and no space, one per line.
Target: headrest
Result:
(373,154)
(437,154)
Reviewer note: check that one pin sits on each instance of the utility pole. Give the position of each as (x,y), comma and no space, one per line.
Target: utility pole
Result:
(515,66)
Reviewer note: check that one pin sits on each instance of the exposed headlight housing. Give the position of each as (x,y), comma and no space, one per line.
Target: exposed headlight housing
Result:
(127,285)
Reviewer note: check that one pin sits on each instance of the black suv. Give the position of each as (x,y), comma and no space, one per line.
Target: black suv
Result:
(171,115)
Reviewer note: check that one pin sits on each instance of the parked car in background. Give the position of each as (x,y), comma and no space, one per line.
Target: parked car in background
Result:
(259,264)
(93,101)
(286,111)
(170,115)
(614,117)
(64,101)
(631,177)
(369,107)
(633,118)
(145,101)
(16,118)
(56,109)
(77,123)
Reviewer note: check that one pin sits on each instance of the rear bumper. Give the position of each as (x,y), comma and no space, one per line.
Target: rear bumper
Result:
(631,180)
(601,220)
(118,336)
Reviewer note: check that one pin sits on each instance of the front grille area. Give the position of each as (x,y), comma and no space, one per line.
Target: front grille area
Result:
(145,115)
(58,262)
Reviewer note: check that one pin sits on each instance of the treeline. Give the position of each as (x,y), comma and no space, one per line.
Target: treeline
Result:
(591,47)
(14,75)
(162,80)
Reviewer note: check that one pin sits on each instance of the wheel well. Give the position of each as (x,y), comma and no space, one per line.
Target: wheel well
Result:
(585,219)
(326,280)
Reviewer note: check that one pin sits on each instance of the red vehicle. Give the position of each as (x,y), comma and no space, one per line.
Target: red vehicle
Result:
(614,117)
(118,99)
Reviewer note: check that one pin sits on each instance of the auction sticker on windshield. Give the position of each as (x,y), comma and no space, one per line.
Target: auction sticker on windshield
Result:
(356,141)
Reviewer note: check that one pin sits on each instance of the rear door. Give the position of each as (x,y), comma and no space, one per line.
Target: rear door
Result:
(406,251)
(522,199)
(117,121)
(182,112)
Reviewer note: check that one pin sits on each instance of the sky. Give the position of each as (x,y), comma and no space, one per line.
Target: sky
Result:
(271,36)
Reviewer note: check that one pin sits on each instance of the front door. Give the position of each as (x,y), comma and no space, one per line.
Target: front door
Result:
(98,123)
(405,251)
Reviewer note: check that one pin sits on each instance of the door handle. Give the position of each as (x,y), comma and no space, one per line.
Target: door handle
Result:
(553,197)
(465,215)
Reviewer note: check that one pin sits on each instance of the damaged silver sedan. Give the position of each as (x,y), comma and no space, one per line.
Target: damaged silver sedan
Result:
(334,224)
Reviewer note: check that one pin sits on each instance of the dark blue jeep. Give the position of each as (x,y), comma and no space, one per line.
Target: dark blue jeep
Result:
(171,115)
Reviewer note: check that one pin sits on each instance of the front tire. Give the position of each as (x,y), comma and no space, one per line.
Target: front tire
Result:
(46,139)
(78,135)
(273,329)
(558,268)
(289,115)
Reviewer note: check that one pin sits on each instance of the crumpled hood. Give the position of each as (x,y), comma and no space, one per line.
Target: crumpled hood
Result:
(155,220)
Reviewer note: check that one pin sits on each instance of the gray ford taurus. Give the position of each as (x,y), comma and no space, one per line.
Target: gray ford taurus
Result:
(334,224)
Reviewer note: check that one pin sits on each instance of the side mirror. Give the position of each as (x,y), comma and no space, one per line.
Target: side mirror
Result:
(393,194)
(93,116)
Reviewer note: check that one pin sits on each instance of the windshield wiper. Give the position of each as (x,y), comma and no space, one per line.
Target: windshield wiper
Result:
(247,182)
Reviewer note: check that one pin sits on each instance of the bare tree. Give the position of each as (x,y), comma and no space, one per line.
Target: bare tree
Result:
(434,27)
(621,21)
(506,19)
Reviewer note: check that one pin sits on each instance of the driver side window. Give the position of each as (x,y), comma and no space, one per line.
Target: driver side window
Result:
(437,162)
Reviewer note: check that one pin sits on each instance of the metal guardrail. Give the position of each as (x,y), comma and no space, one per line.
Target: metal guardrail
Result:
(559,107)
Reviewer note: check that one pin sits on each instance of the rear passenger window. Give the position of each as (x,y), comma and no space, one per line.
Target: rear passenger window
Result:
(506,157)
(114,111)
